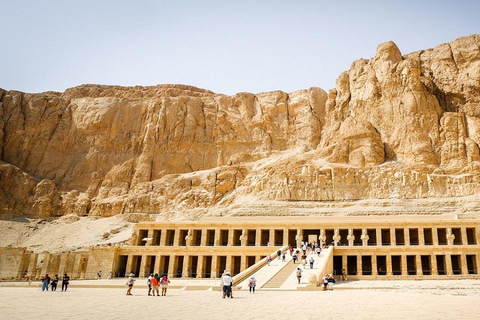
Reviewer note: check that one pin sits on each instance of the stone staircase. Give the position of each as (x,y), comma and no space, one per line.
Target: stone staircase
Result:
(279,278)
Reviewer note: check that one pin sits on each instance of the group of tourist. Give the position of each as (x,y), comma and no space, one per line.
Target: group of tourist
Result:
(154,281)
(328,282)
(46,281)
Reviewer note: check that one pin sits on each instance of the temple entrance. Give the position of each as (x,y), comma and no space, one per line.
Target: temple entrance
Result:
(292,234)
(367,265)
(352,265)
(337,265)
(426,267)
(397,265)
(237,264)
(193,266)
(164,263)
(222,265)
(441,265)
(178,267)
(308,232)
(471,264)
(411,265)
(121,267)
(382,265)
(207,267)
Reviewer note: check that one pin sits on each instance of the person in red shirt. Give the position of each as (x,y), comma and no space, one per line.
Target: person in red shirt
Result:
(154,284)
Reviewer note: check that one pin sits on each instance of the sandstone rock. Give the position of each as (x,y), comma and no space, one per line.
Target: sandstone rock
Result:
(393,127)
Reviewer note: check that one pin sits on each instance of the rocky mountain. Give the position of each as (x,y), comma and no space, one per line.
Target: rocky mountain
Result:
(395,127)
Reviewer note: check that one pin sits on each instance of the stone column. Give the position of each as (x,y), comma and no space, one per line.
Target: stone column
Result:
(149,237)
(230,237)
(176,238)
(448,264)
(143,264)
(171,266)
(336,237)
(389,265)
(463,261)
(350,238)
(345,264)
(359,265)
(32,265)
(156,267)
(477,240)
(200,266)
(213,267)
(163,237)
(463,230)
(258,237)
(406,234)
(243,263)
(433,261)
(216,237)
(374,266)
(435,236)
(418,262)
(404,265)
(379,236)
(77,265)
(228,265)
(186,264)
(46,262)
(477,256)
(421,237)
(203,237)
(285,237)
(365,237)
(271,237)
(393,238)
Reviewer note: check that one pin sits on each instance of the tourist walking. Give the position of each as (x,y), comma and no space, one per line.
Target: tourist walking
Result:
(312,261)
(45,282)
(290,249)
(65,282)
(318,250)
(54,283)
(164,284)
(294,258)
(279,253)
(227,285)
(99,274)
(269,259)
(130,283)
(299,274)
(251,284)
(344,275)
(283,257)
(325,282)
(154,285)
(149,283)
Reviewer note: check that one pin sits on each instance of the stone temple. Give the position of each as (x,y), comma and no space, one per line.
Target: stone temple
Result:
(383,172)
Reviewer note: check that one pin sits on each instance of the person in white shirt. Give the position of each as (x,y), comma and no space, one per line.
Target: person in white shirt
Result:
(227,285)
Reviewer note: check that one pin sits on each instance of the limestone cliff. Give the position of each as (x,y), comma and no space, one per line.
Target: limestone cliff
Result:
(394,127)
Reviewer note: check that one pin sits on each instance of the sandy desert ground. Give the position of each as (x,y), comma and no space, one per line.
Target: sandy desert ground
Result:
(404,300)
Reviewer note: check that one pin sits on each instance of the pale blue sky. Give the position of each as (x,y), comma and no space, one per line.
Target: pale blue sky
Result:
(223,46)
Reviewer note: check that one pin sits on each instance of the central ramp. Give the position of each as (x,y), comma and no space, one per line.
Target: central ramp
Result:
(280,277)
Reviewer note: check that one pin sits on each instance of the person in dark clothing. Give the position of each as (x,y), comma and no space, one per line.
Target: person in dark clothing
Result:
(54,283)
(65,282)
(279,253)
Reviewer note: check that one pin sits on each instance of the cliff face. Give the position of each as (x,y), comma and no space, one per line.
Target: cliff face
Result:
(394,127)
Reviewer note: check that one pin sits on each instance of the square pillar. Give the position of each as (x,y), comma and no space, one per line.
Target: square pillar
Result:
(243,263)
(406,234)
(421,237)
(228,265)
(186,263)
(418,262)
(298,237)
(63,263)
(163,237)
(150,237)
(46,262)
(359,265)
(374,266)
(345,263)
(171,266)
(143,265)
(32,266)
(389,265)
(435,237)
(200,266)
(230,237)
(176,238)
(433,262)
(463,230)
(448,264)
(244,238)
(258,237)
(271,237)
(393,238)
(213,267)
(285,236)
(156,267)
(379,236)
(404,265)
(203,238)
(463,261)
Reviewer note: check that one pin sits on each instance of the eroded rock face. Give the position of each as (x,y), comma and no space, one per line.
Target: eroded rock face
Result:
(394,127)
